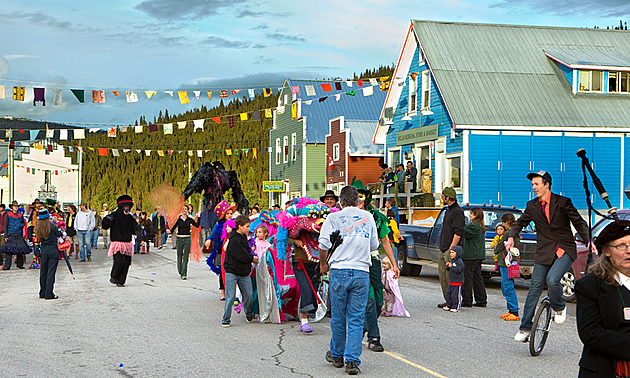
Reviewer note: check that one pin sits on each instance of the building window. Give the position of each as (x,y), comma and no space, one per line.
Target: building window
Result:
(335,152)
(455,172)
(293,146)
(591,81)
(619,82)
(413,93)
(426,90)
(394,158)
(278,152)
(285,154)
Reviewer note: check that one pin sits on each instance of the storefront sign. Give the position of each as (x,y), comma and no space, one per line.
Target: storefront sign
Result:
(418,135)
(273,186)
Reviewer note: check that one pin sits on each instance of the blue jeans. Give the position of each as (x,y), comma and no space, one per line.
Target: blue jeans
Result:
(508,291)
(550,274)
(85,243)
(245,284)
(348,292)
(95,238)
(164,237)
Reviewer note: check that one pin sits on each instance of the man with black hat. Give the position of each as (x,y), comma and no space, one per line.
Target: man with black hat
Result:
(555,247)
(122,226)
(452,232)
(330,199)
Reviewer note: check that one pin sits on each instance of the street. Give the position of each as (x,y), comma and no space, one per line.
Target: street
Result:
(159,325)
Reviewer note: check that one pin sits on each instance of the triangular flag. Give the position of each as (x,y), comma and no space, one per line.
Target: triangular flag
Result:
(183,97)
(181,125)
(160,153)
(111,132)
(246,150)
(217,120)
(132,96)
(235,91)
(368,91)
(63,134)
(138,129)
(169,92)
(79,133)
(33,134)
(326,87)
(125,150)
(308,102)
(116,93)
(310,90)
(150,93)
(79,94)
(70,149)
(115,152)
(168,128)
(198,124)
(170,152)
(210,95)
(102,152)
(197,94)
(139,151)
(251,93)
(322,99)
(338,96)
(98,97)
(243,116)
(57,96)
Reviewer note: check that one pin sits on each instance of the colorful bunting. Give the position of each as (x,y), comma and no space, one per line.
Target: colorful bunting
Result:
(217,120)
(338,86)
(79,133)
(8,134)
(349,83)
(360,83)
(294,109)
(150,93)
(98,97)
(197,94)
(153,128)
(38,96)
(368,91)
(168,128)
(138,129)
(267,92)
(351,93)
(132,96)
(231,121)
(18,93)
(102,152)
(256,115)
(235,91)
(181,125)
(169,93)
(268,113)
(243,116)
(1,91)
(63,134)
(199,153)
(111,132)
(160,153)
(223,94)
(183,97)
(116,93)
(251,93)
(198,124)
(228,152)
(79,94)
(57,96)
(310,90)
(326,87)
(115,152)
(210,95)
(254,152)
(33,134)
(373,81)
(49,133)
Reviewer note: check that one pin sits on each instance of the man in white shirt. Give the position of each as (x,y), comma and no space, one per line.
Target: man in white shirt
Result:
(84,224)
(349,277)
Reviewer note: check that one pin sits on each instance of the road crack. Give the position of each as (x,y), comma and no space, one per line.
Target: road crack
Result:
(276,356)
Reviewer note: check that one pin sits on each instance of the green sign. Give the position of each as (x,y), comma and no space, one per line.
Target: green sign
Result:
(273,186)
(418,135)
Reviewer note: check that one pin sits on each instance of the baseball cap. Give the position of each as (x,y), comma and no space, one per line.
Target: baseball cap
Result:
(543,174)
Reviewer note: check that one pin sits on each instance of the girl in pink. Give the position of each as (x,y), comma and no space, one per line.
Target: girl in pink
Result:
(393,302)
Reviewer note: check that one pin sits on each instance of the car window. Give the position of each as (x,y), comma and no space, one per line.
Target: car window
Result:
(491,217)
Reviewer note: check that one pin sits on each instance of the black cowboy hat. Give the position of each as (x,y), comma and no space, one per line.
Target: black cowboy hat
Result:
(329,193)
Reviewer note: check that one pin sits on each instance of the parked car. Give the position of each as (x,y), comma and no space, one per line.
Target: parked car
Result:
(420,244)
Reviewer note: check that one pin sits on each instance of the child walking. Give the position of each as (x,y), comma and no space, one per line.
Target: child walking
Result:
(393,302)
(455,269)
(262,234)
(500,230)
(237,267)
(507,284)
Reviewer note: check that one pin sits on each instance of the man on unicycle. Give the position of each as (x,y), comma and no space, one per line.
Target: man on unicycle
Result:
(555,247)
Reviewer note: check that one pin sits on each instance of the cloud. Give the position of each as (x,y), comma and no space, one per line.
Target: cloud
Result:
(591,8)
(4,67)
(265,60)
(262,26)
(248,13)
(285,37)
(218,42)
(183,9)
(172,41)
(37,18)
(13,57)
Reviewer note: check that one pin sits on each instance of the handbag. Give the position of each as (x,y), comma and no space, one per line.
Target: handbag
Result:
(64,245)
(514,271)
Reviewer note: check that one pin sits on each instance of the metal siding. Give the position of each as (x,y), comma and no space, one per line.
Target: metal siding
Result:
(572,180)
(515,159)
(626,178)
(484,173)
(361,134)
(548,157)
(315,170)
(607,161)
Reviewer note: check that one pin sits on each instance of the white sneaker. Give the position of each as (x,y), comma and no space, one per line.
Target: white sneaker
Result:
(560,316)
(521,336)
(445,308)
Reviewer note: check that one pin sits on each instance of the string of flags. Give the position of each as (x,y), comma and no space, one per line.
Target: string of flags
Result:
(33,170)
(107,151)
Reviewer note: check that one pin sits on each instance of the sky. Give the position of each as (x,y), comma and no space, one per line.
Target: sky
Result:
(141,45)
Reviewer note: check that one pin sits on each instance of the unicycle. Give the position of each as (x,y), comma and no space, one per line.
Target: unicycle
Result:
(540,327)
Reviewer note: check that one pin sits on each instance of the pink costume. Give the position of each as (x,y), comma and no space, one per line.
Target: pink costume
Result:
(393,303)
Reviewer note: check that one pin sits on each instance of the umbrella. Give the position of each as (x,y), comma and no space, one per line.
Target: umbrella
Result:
(65,256)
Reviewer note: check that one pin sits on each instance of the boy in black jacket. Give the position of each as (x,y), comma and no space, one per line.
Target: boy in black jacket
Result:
(455,269)
(237,267)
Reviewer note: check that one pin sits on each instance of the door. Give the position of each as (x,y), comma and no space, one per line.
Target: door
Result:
(515,164)
(440,162)
(484,168)
(433,248)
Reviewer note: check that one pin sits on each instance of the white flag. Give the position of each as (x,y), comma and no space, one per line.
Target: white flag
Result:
(147,152)
(200,153)
(57,97)
(198,124)
(1,91)
(368,91)
(197,93)
(63,134)
(338,96)
(169,92)
(373,81)
(349,83)
(132,96)
(310,90)
(115,152)
(181,125)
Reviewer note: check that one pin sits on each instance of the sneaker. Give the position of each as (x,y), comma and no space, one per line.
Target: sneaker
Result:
(445,308)
(375,346)
(560,316)
(113,281)
(337,362)
(120,285)
(521,336)
(504,315)
(511,317)
(184,278)
(442,305)
(352,368)
(225,325)
(250,317)
(454,310)
(306,328)
(238,308)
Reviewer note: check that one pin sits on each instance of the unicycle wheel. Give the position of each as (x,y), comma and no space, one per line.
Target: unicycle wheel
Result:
(540,328)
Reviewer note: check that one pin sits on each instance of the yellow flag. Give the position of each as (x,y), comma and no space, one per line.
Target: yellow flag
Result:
(255,156)
(160,152)
(268,113)
(228,152)
(294,110)
(183,97)
(243,116)
(150,93)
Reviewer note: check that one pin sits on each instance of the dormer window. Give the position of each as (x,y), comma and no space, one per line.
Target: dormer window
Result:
(591,81)
(619,82)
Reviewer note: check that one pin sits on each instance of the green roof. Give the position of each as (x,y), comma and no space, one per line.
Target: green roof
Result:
(500,76)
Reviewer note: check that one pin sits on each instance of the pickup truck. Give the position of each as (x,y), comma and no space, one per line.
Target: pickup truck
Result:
(420,244)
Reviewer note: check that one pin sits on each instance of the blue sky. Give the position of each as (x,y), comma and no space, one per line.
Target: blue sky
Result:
(214,44)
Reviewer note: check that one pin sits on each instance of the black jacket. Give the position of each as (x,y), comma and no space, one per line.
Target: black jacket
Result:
(601,326)
(122,226)
(50,244)
(456,271)
(453,224)
(556,231)
(238,258)
(158,220)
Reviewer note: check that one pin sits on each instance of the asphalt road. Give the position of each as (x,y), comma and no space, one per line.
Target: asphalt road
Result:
(162,326)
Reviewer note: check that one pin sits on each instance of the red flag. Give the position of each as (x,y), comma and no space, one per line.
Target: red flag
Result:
(102,152)
(331,165)
(217,120)
(5,165)
(12,145)
(56,173)
(235,91)
(21,130)
(360,83)
(326,87)
(223,94)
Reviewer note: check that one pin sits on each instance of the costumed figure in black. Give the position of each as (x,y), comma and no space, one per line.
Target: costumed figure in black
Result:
(14,238)
(122,226)
(47,233)
(376,296)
